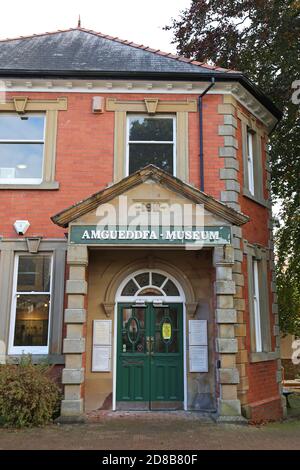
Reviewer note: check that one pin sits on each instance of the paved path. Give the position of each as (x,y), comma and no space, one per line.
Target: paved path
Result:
(154,432)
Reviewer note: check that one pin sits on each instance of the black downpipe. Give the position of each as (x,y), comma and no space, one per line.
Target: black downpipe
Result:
(201,132)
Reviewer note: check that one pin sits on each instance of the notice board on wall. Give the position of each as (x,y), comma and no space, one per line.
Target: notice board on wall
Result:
(102,346)
(198,346)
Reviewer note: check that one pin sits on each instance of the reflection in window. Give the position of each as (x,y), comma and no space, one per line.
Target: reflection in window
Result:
(21,148)
(133,330)
(32,300)
(34,273)
(151,141)
(32,316)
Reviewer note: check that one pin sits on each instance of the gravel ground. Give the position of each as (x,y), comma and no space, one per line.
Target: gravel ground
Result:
(154,431)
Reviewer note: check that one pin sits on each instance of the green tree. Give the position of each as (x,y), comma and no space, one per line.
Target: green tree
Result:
(260,38)
(288,270)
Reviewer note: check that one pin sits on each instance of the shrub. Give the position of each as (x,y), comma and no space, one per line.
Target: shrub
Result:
(28,397)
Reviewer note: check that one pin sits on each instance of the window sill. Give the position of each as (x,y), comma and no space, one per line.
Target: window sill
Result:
(53,185)
(37,358)
(262,202)
(263,356)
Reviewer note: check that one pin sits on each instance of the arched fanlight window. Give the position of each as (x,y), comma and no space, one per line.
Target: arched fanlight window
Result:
(150,283)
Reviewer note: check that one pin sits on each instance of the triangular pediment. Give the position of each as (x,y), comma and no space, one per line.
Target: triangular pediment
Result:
(143,186)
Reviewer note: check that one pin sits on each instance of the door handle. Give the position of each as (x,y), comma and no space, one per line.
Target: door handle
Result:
(152,345)
(148,345)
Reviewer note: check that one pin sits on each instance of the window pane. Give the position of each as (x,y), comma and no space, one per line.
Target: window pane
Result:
(14,127)
(160,155)
(130,288)
(21,161)
(32,318)
(150,129)
(150,291)
(171,289)
(133,331)
(34,273)
(143,279)
(157,279)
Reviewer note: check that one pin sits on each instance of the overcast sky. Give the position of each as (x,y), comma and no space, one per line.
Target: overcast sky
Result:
(140,21)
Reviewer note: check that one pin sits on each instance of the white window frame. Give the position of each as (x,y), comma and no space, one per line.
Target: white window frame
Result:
(24,141)
(250,161)
(256,308)
(158,116)
(18,350)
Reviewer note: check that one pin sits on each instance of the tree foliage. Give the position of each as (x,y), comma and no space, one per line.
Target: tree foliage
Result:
(260,38)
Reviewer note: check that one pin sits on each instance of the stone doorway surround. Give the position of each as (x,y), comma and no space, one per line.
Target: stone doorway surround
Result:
(155,184)
(229,406)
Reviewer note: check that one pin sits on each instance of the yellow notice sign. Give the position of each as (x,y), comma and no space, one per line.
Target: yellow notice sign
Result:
(166,331)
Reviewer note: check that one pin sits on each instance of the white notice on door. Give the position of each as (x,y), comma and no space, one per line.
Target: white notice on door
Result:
(101,359)
(197,332)
(198,359)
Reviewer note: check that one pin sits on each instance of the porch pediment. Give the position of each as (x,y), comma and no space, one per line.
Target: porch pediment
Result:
(149,188)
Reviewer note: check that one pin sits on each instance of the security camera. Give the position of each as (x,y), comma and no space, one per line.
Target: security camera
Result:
(21,226)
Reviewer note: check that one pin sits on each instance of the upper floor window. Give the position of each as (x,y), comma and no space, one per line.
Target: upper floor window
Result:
(257,313)
(151,140)
(253,166)
(22,140)
(258,301)
(250,160)
(30,318)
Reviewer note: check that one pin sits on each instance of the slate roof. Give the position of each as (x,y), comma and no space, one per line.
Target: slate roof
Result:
(82,53)
(84,50)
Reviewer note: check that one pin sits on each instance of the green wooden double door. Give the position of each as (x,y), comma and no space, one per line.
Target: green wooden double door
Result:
(150,357)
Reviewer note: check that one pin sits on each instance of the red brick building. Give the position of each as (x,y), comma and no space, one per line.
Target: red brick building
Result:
(136,245)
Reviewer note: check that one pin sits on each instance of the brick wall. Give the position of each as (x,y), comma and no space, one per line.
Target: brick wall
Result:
(263,400)
(84,165)
(84,160)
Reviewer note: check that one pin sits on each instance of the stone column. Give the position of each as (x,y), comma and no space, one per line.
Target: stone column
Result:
(229,406)
(74,342)
(240,327)
(228,153)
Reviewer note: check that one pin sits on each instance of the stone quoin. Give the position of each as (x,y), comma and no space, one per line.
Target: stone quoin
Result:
(136,316)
